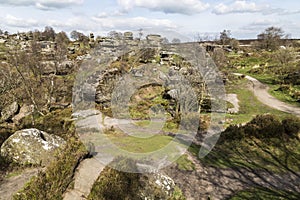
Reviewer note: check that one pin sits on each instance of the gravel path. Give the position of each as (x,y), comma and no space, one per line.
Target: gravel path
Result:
(261,92)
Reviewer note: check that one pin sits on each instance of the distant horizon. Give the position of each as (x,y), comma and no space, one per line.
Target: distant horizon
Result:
(184,39)
(188,18)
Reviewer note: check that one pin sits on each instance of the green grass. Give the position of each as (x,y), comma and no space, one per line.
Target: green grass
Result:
(256,155)
(282,95)
(184,164)
(272,81)
(169,125)
(141,145)
(250,106)
(255,146)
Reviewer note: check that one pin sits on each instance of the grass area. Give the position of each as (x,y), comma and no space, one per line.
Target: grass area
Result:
(169,125)
(264,143)
(141,145)
(265,194)
(282,95)
(272,82)
(147,145)
(249,105)
(256,155)
(183,163)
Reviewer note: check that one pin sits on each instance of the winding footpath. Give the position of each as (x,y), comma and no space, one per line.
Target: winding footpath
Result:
(260,90)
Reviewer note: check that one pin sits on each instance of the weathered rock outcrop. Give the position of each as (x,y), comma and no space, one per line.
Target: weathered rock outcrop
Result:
(31,146)
(65,67)
(9,112)
(107,81)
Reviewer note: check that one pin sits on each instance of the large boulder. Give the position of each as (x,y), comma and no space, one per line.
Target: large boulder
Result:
(65,67)
(31,146)
(9,112)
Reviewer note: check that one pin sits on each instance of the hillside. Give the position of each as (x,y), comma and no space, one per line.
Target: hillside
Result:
(130,118)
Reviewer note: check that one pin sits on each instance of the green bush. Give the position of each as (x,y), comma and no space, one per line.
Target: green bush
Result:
(291,126)
(114,185)
(263,127)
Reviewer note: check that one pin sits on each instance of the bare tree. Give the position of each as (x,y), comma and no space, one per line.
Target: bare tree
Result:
(176,40)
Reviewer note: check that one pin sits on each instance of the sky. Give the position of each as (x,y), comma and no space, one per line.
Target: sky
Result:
(184,19)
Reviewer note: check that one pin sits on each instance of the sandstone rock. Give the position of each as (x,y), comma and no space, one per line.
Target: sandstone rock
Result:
(154,37)
(65,67)
(174,93)
(71,50)
(31,146)
(9,112)
(128,36)
(106,84)
(24,112)
(48,67)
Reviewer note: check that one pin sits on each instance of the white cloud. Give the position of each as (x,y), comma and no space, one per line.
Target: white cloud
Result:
(133,23)
(187,7)
(242,6)
(264,22)
(43,4)
(261,24)
(110,14)
(13,21)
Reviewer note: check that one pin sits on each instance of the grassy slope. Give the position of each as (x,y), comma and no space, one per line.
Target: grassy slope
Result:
(249,105)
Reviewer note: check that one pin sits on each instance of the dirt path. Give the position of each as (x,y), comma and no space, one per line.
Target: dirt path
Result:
(261,92)
(13,184)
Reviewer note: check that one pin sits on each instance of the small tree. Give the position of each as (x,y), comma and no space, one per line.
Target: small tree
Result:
(49,33)
(75,35)
(225,37)
(271,38)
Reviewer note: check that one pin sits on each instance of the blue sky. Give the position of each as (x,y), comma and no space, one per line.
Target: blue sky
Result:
(173,18)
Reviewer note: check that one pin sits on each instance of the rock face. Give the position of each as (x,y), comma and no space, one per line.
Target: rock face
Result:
(31,146)
(9,112)
(25,111)
(65,67)
(106,85)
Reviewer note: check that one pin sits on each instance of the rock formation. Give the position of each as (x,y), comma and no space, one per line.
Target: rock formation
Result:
(31,146)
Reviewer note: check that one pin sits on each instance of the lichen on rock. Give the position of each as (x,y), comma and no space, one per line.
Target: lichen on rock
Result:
(31,146)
